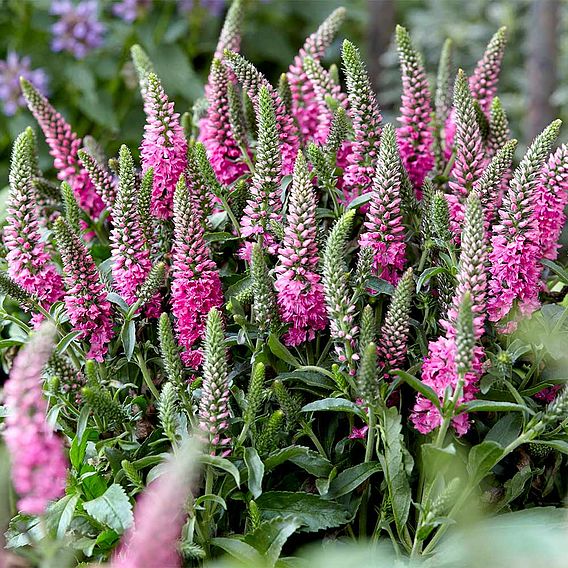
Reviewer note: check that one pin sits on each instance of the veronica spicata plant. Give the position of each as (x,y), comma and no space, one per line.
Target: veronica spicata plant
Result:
(287,320)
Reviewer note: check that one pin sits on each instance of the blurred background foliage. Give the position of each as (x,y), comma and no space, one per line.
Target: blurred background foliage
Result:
(98,94)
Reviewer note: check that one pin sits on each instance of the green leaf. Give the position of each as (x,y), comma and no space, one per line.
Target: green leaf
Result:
(313,512)
(128,338)
(427,274)
(239,550)
(351,478)
(112,509)
(394,468)
(359,201)
(222,463)
(67,340)
(281,351)
(271,536)
(61,513)
(561,272)
(255,471)
(419,386)
(482,458)
(334,405)
(379,286)
(492,406)
(506,430)
(211,497)
(303,457)
(515,486)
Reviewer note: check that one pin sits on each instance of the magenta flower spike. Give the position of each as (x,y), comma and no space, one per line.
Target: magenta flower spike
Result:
(483,83)
(196,286)
(470,154)
(29,263)
(215,129)
(366,118)
(551,200)
(440,367)
(301,302)
(130,251)
(86,298)
(159,516)
(415,136)
(164,147)
(383,222)
(39,466)
(63,144)
(515,258)
(304,101)
(252,81)
(264,204)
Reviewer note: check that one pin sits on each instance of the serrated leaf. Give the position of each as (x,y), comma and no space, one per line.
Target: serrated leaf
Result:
(112,508)
(313,512)
(255,469)
(269,538)
(334,405)
(394,468)
(303,457)
(351,478)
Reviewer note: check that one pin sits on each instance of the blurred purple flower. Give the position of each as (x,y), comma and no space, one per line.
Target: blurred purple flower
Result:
(130,10)
(214,7)
(10,72)
(78,29)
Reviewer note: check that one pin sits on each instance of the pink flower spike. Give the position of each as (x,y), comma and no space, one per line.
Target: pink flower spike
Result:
(215,129)
(130,252)
(196,286)
(159,516)
(29,263)
(415,136)
(86,299)
(305,105)
(385,231)
(300,293)
(164,147)
(39,467)
(551,200)
(64,145)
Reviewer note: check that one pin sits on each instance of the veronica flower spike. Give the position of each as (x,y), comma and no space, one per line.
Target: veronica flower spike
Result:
(39,466)
(196,286)
(384,229)
(264,204)
(416,135)
(164,147)
(29,262)
(470,155)
(300,293)
(64,145)
(86,298)
(130,253)
(516,250)
(304,102)
(366,117)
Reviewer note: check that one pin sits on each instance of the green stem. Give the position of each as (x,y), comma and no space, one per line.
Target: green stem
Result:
(368,457)
(146,375)
(308,430)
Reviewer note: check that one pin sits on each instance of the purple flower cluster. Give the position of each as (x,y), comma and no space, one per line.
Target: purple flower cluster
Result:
(130,10)
(78,29)
(11,69)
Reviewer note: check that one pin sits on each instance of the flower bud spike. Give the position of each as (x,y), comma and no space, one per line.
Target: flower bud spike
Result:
(213,411)
(396,326)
